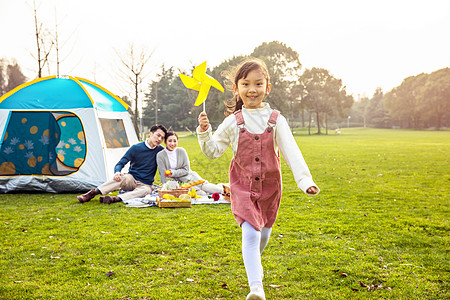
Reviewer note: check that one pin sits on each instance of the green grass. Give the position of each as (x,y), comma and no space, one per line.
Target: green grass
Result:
(381,217)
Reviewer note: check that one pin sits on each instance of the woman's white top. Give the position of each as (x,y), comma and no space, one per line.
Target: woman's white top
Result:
(172,155)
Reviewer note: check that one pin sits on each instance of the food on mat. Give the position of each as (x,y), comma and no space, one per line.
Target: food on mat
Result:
(191,184)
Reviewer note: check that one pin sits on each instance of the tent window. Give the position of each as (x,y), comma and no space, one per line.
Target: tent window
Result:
(42,143)
(114,133)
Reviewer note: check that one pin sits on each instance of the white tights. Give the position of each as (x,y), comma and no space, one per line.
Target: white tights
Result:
(253,244)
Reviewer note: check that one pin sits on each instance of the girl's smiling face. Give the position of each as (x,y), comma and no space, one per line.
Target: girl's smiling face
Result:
(252,89)
(171,143)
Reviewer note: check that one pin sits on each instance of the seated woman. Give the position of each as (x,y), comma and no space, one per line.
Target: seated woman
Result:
(176,160)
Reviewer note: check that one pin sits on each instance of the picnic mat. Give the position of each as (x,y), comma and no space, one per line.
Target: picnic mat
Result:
(150,200)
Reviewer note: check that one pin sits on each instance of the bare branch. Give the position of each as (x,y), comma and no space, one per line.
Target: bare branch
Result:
(133,65)
(42,39)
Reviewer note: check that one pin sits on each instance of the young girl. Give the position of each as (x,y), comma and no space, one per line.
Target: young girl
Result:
(256,134)
(176,160)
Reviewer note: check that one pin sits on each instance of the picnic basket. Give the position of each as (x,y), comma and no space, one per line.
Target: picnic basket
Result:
(167,204)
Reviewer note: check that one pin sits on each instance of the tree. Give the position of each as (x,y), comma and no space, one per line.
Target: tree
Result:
(215,104)
(298,93)
(436,93)
(11,76)
(359,111)
(2,77)
(168,102)
(44,42)
(376,115)
(15,76)
(422,100)
(284,69)
(324,95)
(405,102)
(59,45)
(133,64)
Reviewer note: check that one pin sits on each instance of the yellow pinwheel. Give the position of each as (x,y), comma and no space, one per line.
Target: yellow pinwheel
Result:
(200,81)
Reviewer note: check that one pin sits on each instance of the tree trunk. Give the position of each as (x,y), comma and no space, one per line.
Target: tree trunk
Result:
(303,118)
(309,125)
(136,105)
(318,122)
(438,121)
(326,123)
(156,105)
(37,42)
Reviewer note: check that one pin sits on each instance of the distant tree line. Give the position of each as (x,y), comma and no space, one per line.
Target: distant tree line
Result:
(314,96)
(420,102)
(371,112)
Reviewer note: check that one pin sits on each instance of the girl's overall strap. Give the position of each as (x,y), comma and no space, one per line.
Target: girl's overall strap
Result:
(273,118)
(239,118)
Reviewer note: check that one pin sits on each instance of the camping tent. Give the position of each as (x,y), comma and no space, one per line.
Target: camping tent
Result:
(61,134)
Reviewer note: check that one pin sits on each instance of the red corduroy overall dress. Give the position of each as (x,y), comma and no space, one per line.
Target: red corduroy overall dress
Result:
(255,176)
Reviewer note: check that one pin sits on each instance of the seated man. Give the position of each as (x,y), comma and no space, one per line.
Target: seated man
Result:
(138,181)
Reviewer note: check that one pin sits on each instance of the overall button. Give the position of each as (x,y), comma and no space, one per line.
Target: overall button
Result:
(269,129)
(257,158)
(256,137)
(242,129)
(257,178)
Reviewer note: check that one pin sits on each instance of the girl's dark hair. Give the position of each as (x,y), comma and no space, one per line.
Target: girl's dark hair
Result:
(170,133)
(241,72)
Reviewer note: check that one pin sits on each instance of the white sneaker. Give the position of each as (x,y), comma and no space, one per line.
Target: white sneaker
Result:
(256,292)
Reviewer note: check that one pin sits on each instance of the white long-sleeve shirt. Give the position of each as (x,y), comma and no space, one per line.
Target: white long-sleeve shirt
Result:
(256,121)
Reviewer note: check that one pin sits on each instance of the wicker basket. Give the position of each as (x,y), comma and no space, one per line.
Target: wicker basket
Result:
(164,204)
(175,192)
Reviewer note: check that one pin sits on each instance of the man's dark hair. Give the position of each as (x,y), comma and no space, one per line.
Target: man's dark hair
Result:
(156,127)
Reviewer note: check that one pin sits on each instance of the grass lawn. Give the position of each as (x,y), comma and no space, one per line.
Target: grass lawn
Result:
(381,218)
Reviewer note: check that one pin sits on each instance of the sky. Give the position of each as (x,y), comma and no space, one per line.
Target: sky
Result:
(367,44)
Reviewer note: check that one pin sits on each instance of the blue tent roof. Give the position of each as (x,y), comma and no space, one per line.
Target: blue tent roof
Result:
(61,93)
